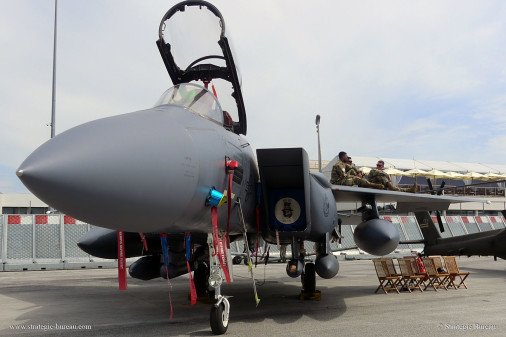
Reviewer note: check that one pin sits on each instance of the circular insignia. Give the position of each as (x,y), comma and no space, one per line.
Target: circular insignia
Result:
(287,211)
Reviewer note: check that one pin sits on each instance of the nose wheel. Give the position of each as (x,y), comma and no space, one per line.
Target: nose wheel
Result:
(219,316)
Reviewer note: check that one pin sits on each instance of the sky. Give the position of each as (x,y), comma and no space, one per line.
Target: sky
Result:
(398,79)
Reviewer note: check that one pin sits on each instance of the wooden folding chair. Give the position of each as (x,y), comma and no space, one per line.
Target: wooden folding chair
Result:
(391,271)
(454,271)
(410,280)
(391,267)
(440,267)
(438,262)
(387,283)
(416,268)
(435,279)
(414,265)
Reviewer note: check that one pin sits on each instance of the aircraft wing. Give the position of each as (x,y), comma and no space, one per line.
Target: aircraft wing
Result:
(406,202)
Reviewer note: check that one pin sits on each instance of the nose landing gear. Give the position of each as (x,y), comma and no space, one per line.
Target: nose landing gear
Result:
(219,315)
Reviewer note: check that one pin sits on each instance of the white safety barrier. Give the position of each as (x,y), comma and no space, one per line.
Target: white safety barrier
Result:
(35,242)
(38,242)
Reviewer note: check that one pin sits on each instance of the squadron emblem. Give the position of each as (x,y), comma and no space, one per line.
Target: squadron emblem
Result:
(287,210)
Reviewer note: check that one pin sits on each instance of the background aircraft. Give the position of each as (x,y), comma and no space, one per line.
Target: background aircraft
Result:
(489,243)
(155,179)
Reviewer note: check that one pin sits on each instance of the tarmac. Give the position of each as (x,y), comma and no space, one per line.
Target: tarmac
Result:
(88,303)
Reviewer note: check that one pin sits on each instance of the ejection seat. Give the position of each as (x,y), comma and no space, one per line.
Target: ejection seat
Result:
(228,122)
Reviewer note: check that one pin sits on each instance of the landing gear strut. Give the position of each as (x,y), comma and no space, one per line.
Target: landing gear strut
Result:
(201,278)
(308,279)
(221,309)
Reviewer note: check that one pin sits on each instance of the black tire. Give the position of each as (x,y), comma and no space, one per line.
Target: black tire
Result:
(309,278)
(237,259)
(218,325)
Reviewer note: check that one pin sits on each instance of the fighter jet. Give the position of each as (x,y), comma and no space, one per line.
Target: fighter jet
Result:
(176,183)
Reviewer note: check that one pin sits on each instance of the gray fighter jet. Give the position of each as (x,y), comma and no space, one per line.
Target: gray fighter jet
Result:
(155,179)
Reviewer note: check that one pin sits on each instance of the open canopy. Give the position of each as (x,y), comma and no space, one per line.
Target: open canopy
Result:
(194,47)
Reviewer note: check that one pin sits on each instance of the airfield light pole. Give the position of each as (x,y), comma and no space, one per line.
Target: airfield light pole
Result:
(319,148)
(51,210)
(54,72)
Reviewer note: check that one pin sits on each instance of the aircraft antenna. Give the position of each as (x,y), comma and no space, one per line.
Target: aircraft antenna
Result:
(319,148)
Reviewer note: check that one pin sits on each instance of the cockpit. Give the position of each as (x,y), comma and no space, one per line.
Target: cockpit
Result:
(195,49)
(194,98)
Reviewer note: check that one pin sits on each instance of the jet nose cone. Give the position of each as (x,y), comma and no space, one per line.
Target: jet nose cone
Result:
(114,172)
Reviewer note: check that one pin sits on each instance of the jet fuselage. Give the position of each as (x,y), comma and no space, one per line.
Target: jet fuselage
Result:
(146,171)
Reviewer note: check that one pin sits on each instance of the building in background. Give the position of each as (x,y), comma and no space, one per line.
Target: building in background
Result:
(21,204)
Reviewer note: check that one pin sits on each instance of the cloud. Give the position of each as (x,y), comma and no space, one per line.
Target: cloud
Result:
(493,113)
(391,78)
(495,147)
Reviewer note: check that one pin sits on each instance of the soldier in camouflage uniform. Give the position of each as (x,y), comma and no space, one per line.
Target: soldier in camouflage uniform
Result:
(380,177)
(341,174)
(352,170)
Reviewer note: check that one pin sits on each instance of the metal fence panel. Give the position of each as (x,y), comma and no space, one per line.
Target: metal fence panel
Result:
(334,245)
(497,222)
(309,246)
(2,240)
(47,237)
(25,239)
(273,248)
(347,241)
(412,230)
(238,246)
(455,225)
(73,231)
(470,224)
(19,238)
(483,223)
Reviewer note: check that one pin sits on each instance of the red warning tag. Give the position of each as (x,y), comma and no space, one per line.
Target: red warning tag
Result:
(121,261)
(193,290)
